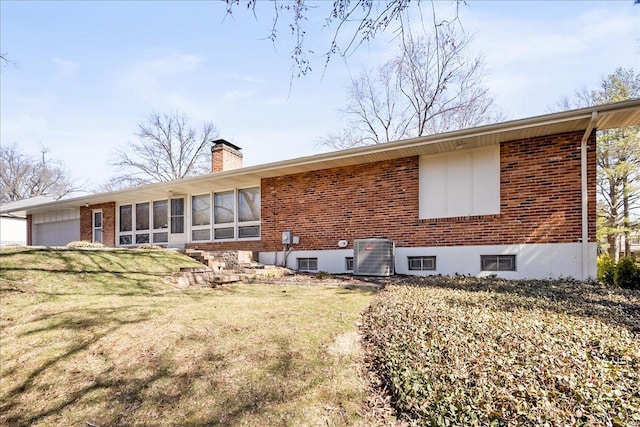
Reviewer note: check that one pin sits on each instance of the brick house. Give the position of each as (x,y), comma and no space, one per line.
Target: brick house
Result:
(516,199)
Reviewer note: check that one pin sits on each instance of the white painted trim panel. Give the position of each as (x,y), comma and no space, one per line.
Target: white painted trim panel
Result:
(534,261)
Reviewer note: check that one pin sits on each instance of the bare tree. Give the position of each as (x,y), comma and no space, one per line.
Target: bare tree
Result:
(353,22)
(168,148)
(429,87)
(22,177)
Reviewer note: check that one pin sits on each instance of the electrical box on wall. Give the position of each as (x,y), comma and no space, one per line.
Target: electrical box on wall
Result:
(286,237)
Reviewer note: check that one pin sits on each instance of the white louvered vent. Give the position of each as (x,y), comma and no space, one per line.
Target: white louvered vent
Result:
(373,257)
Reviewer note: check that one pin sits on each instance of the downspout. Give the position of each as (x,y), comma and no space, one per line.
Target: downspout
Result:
(585,198)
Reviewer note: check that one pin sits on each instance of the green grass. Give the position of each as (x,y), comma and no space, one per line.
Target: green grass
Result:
(466,351)
(101,337)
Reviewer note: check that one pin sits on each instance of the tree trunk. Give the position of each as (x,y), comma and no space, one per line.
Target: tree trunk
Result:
(625,218)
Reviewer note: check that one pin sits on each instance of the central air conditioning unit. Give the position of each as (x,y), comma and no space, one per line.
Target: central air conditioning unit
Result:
(373,257)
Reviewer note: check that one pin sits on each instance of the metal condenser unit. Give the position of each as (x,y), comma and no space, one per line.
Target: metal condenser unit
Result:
(373,257)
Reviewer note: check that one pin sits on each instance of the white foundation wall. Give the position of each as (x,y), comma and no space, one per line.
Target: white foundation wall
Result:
(533,261)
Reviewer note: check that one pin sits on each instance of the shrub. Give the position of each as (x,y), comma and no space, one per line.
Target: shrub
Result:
(626,274)
(149,247)
(465,351)
(83,244)
(606,267)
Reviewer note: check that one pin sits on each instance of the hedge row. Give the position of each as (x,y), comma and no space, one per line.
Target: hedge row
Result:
(625,273)
(466,351)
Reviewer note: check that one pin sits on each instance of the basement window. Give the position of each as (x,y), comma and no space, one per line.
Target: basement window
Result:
(422,263)
(348,261)
(498,262)
(308,264)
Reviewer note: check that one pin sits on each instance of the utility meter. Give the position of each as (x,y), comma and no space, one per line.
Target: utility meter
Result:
(286,237)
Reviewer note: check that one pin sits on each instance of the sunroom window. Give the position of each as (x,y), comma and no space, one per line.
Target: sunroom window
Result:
(201,217)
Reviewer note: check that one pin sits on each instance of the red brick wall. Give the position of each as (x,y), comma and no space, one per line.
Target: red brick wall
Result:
(108,222)
(540,201)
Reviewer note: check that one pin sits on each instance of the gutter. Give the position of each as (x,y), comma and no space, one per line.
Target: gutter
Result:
(584,192)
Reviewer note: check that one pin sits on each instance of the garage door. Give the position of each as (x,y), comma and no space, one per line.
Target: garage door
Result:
(57,233)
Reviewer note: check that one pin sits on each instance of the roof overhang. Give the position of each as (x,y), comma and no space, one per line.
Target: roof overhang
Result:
(615,115)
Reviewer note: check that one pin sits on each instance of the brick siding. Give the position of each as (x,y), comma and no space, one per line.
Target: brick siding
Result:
(108,222)
(540,201)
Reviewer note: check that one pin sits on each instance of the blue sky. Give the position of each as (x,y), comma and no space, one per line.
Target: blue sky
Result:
(87,72)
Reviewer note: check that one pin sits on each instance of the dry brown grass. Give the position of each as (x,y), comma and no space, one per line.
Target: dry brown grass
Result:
(98,337)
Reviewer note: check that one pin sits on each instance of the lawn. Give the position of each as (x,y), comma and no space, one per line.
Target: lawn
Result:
(101,338)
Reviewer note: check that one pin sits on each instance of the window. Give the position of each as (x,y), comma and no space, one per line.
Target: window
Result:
(422,263)
(249,231)
(142,222)
(498,262)
(308,264)
(201,217)
(177,216)
(201,210)
(125,218)
(224,212)
(249,204)
(160,214)
(348,263)
(97,226)
(460,183)
(126,225)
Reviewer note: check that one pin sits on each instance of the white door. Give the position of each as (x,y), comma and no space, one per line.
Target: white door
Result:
(177,235)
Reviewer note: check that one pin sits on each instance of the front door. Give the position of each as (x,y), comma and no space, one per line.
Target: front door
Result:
(177,235)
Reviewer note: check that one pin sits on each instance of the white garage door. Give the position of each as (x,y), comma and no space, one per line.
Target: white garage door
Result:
(57,233)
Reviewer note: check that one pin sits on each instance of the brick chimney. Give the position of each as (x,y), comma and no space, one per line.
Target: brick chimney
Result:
(225,156)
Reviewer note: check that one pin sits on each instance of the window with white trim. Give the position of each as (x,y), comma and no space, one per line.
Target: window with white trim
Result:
(307,264)
(224,215)
(249,213)
(422,263)
(126,222)
(201,217)
(498,262)
(146,222)
(142,223)
(97,226)
(161,221)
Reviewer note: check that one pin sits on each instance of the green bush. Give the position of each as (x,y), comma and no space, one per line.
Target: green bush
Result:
(606,267)
(464,351)
(626,274)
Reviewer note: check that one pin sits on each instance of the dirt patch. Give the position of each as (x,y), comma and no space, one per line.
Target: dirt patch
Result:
(347,344)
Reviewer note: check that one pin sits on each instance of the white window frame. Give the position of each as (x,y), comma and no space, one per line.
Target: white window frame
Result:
(192,227)
(129,233)
(134,232)
(253,223)
(424,260)
(497,262)
(304,264)
(152,224)
(93,225)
